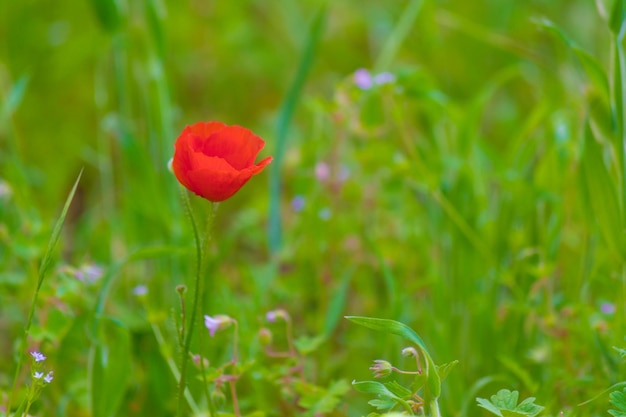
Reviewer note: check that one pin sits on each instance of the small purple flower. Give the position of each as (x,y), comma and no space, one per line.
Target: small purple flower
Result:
(38,375)
(607,308)
(140,290)
(49,377)
(344,173)
(271,316)
(38,356)
(89,273)
(297,203)
(363,79)
(325,213)
(274,315)
(384,78)
(214,324)
(322,171)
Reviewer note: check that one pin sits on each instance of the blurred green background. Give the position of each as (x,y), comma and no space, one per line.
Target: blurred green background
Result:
(466,198)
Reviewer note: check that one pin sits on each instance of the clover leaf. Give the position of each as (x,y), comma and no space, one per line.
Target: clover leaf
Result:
(618,399)
(504,404)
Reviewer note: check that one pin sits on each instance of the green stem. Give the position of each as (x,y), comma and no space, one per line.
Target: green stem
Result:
(205,380)
(197,289)
(620,121)
(434,408)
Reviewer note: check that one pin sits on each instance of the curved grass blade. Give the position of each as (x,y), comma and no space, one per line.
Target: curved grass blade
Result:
(43,268)
(590,65)
(401,329)
(619,385)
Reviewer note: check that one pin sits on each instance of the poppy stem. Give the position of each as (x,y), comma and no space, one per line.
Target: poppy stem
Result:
(198,290)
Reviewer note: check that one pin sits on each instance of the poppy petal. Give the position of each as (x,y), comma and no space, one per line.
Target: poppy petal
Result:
(237,145)
(205,129)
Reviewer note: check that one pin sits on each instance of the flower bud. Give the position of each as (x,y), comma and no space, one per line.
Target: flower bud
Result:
(199,361)
(409,352)
(218,397)
(265,336)
(381,368)
(275,315)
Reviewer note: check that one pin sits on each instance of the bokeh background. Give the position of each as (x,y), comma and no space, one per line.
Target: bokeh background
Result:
(465,198)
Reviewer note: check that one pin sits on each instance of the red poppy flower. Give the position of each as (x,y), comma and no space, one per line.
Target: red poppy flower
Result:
(214,160)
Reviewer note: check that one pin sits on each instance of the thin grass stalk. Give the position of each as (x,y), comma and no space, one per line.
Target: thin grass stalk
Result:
(618,114)
(171,363)
(399,34)
(43,268)
(619,80)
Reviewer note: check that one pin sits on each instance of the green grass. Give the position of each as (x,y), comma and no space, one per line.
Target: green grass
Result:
(479,199)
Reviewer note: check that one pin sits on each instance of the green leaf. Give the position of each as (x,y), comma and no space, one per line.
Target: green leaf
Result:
(56,233)
(337,303)
(382,403)
(509,413)
(621,351)
(528,407)
(306,345)
(505,399)
(618,399)
(392,327)
(373,387)
(318,400)
(285,117)
(602,193)
(504,404)
(487,405)
(109,13)
(401,30)
(617,22)
(110,367)
(595,72)
(385,394)
(398,389)
(444,370)
(13,99)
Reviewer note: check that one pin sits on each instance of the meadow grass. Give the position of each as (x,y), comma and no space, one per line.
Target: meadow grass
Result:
(468,183)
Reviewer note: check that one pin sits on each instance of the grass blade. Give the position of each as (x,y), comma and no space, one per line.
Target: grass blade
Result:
(43,268)
(110,361)
(13,99)
(601,189)
(284,122)
(401,31)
